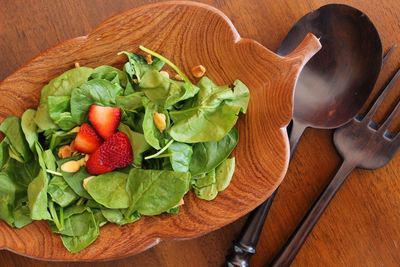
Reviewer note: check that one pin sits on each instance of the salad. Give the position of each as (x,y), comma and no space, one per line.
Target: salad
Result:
(110,146)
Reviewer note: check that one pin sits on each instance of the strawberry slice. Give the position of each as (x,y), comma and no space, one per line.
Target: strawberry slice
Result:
(87,140)
(115,152)
(104,119)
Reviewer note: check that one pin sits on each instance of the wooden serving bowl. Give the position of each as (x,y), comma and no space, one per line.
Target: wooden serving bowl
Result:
(189,34)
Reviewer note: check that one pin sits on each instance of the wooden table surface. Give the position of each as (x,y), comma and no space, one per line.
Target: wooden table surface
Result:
(361,226)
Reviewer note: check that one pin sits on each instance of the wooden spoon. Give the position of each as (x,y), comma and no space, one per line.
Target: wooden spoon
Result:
(331,89)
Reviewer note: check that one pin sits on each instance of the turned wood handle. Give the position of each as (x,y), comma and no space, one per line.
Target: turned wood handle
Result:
(292,247)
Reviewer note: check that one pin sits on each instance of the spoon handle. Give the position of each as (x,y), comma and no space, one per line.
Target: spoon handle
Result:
(245,246)
(292,247)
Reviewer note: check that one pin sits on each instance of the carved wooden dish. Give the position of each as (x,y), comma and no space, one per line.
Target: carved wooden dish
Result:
(189,34)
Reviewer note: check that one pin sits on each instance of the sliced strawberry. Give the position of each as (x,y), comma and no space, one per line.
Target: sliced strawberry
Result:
(87,140)
(104,119)
(115,152)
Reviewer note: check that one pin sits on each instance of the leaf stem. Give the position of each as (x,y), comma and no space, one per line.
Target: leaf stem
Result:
(161,151)
(54,173)
(167,61)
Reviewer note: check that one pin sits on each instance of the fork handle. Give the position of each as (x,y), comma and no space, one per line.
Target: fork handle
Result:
(292,247)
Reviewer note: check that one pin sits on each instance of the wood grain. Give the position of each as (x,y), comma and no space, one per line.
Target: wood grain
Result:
(176,30)
(360,228)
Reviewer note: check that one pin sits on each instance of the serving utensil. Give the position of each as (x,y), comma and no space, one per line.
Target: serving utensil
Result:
(362,143)
(331,89)
(177,30)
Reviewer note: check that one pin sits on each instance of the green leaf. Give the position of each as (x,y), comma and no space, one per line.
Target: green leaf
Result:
(181,155)
(37,196)
(241,96)
(59,138)
(152,135)
(23,173)
(205,186)
(138,143)
(60,112)
(11,127)
(75,180)
(130,102)
(3,153)
(207,156)
(8,189)
(224,173)
(109,190)
(153,192)
(60,192)
(22,216)
(137,65)
(117,216)
(211,117)
(29,128)
(96,91)
(83,230)
(60,86)
(111,74)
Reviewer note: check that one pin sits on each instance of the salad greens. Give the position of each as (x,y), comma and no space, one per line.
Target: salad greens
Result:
(191,151)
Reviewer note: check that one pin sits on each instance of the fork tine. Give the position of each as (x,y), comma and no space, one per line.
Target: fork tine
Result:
(382,95)
(389,119)
(388,54)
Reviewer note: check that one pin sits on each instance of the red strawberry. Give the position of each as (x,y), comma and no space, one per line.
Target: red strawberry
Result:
(87,140)
(115,152)
(104,119)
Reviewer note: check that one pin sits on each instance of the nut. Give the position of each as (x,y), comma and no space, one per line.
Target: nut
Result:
(159,121)
(178,77)
(77,65)
(65,152)
(71,166)
(75,130)
(165,74)
(149,59)
(86,181)
(198,71)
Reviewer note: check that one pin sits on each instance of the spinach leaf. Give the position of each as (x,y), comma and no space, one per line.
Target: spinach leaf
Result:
(208,155)
(211,117)
(11,127)
(137,65)
(3,153)
(152,135)
(82,230)
(37,196)
(60,112)
(58,138)
(60,86)
(75,180)
(29,128)
(130,102)
(60,192)
(138,143)
(117,216)
(22,215)
(241,96)
(23,173)
(205,186)
(109,190)
(153,192)
(224,173)
(96,91)
(111,74)
(8,189)
(181,155)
